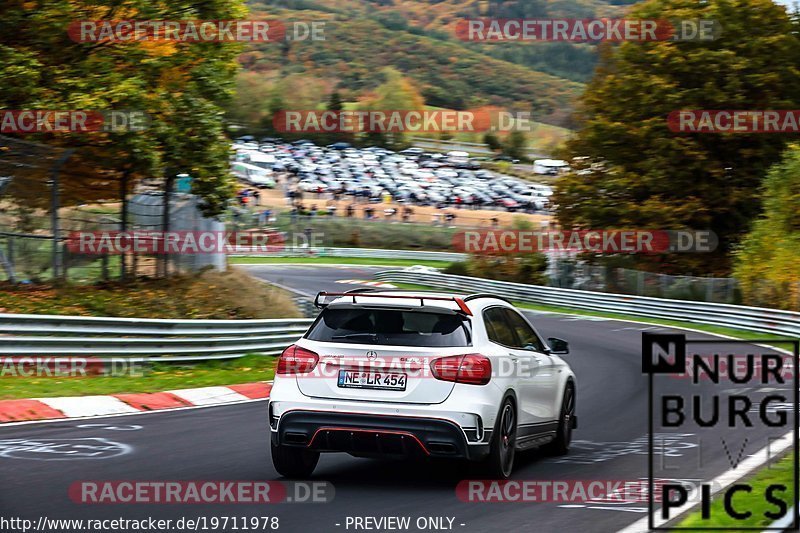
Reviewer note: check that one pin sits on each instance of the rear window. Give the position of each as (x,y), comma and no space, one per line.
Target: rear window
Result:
(391,327)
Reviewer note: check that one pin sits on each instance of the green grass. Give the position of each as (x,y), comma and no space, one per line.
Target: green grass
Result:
(154,378)
(359,233)
(203,295)
(780,472)
(337,261)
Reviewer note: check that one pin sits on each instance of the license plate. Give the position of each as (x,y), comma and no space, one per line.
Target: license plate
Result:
(356,379)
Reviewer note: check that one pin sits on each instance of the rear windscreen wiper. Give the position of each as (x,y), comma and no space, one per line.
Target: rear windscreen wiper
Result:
(351,335)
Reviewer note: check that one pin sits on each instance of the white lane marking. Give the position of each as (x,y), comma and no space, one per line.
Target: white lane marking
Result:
(209,395)
(601,508)
(79,406)
(587,452)
(366,282)
(62,449)
(722,481)
(630,497)
(132,427)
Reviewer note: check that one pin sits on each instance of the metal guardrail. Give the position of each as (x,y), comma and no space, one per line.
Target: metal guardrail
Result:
(149,339)
(371,253)
(195,340)
(734,316)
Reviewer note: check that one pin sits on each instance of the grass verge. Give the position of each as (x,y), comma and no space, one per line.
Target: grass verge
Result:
(155,378)
(208,295)
(359,233)
(778,473)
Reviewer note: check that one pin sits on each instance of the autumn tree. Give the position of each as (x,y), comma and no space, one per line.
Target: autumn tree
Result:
(396,93)
(335,102)
(179,85)
(640,174)
(766,265)
(514,145)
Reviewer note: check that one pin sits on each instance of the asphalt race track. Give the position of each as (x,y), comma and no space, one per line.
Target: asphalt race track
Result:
(231,443)
(309,279)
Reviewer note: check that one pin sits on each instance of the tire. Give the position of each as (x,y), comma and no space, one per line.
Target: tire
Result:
(500,462)
(560,446)
(293,462)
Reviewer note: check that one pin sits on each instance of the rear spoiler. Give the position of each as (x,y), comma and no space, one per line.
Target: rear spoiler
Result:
(422,297)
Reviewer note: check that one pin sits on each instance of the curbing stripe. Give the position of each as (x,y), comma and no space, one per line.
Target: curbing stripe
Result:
(152,401)
(253,391)
(44,409)
(79,406)
(17,410)
(209,395)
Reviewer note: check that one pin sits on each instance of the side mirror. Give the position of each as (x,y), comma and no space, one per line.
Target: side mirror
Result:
(558,346)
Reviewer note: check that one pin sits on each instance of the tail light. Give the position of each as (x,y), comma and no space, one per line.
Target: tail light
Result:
(472,369)
(296,360)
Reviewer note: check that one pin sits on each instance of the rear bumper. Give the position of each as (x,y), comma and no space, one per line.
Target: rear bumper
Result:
(377,435)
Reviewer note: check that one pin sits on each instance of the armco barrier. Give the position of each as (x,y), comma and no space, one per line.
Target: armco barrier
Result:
(142,339)
(366,253)
(197,340)
(734,316)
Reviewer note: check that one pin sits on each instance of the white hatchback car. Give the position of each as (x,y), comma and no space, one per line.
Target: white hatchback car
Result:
(394,373)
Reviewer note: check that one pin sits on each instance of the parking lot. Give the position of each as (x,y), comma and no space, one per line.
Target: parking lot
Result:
(411,177)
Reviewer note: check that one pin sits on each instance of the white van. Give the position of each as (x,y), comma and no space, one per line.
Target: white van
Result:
(253,175)
(259,159)
(541,190)
(457,157)
(550,166)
